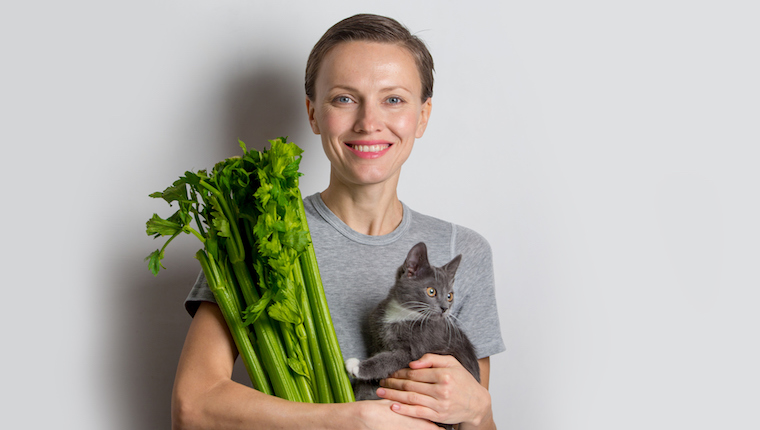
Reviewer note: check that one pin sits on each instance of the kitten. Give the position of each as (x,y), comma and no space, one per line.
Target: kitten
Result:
(413,320)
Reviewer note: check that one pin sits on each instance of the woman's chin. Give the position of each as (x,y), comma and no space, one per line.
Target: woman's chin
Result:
(369,177)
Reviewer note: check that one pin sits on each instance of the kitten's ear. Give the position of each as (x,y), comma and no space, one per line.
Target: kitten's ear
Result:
(416,260)
(452,266)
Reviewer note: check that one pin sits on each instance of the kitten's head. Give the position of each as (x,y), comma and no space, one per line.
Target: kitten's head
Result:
(423,287)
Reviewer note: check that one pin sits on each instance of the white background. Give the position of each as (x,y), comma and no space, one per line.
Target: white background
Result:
(607,150)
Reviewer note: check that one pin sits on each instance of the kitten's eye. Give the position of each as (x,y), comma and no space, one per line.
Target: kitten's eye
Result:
(450,296)
(431,292)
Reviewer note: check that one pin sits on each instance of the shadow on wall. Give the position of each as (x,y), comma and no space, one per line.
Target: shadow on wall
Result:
(264,105)
(147,319)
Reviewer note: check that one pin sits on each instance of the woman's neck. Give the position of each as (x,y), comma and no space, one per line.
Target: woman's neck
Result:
(374,210)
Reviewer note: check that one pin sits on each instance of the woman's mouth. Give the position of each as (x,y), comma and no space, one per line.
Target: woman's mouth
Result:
(369,150)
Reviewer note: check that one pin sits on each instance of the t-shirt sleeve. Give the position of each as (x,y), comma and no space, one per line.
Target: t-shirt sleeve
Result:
(474,287)
(199,293)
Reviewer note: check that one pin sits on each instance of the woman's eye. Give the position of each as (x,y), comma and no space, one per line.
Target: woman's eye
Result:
(343,99)
(431,292)
(394,100)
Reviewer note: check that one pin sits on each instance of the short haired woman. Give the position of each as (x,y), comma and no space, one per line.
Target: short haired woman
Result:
(369,87)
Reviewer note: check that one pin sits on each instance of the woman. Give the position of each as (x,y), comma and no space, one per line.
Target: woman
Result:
(369,87)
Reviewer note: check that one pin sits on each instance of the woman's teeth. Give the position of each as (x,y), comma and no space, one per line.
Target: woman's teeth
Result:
(370,148)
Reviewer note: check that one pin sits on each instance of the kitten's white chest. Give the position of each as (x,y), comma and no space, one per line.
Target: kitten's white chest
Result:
(394,312)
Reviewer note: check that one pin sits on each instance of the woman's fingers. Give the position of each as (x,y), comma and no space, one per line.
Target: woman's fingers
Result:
(434,360)
(379,414)
(416,412)
(420,375)
(428,393)
(409,397)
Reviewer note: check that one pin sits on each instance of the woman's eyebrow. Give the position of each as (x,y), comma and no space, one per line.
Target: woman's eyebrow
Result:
(394,88)
(343,87)
(384,89)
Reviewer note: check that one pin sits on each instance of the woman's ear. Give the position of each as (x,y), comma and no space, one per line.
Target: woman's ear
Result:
(312,120)
(427,107)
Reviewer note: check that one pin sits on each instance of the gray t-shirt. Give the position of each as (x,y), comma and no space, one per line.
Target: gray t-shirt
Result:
(358,270)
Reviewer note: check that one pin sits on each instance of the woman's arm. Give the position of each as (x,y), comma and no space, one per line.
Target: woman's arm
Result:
(205,397)
(440,389)
(204,394)
(486,421)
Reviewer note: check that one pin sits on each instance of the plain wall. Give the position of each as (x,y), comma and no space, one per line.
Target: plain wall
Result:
(607,150)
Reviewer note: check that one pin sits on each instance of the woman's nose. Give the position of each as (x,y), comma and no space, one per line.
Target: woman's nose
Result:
(368,119)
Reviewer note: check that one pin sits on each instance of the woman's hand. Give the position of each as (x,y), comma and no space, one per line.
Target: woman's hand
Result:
(440,389)
(377,415)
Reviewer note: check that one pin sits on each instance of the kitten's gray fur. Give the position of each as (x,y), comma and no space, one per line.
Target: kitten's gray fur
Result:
(411,322)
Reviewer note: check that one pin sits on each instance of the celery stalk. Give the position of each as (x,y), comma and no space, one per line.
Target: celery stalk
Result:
(231,315)
(270,347)
(328,339)
(320,381)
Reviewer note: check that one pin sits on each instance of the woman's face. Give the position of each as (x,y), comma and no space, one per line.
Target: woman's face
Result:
(368,111)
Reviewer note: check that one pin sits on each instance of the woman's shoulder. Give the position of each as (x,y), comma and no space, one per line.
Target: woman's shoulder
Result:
(469,239)
(464,239)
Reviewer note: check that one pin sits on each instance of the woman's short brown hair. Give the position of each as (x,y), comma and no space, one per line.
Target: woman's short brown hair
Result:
(372,28)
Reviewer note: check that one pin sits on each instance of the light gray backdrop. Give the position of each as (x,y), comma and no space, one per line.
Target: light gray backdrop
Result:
(608,151)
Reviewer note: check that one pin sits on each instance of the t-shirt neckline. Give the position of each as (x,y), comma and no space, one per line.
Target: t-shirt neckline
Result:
(354,235)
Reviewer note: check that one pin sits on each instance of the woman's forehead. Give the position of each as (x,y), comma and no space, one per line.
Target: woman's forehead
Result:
(362,63)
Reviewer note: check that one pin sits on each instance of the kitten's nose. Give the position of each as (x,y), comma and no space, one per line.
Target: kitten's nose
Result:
(443,310)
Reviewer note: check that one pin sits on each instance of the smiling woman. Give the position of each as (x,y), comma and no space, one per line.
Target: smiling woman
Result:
(368,95)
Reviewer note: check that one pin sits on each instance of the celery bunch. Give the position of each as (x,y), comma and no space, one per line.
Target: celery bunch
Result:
(259,262)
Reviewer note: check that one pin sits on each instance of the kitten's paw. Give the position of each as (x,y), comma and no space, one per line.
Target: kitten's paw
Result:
(352,366)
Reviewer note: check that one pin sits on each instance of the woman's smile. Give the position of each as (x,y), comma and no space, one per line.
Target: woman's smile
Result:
(369,149)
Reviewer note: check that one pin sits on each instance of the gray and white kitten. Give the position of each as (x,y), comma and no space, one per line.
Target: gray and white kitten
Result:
(413,320)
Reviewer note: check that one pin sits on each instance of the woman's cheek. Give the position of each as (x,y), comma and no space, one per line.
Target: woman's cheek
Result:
(336,124)
(406,126)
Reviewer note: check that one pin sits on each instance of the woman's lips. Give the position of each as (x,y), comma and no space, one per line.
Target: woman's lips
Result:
(369,149)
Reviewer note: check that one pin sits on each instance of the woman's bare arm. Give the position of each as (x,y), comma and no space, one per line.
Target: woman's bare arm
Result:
(205,396)
(487,421)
